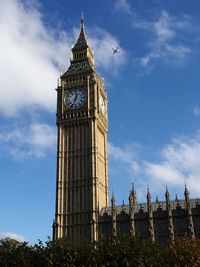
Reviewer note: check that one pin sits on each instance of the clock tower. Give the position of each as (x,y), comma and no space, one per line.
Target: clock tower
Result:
(82,171)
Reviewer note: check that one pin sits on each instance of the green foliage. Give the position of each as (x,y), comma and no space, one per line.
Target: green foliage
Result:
(184,252)
(14,253)
(121,251)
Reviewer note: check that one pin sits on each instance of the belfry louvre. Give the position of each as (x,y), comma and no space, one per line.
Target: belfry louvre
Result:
(82,201)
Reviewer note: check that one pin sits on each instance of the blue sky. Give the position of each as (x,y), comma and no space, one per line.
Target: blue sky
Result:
(153,90)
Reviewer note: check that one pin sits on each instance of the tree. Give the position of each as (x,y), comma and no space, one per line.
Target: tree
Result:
(120,251)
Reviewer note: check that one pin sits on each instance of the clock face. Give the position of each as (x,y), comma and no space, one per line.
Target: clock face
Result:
(102,105)
(75,98)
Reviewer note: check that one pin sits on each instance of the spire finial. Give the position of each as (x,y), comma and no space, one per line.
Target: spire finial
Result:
(186,190)
(113,195)
(82,20)
(166,191)
(167,195)
(133,189)
(113,200)
(148,193)
(133,193)
(186,193)
(157,198)
(177,198)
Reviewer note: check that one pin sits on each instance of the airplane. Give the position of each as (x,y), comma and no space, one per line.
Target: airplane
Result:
(116,50)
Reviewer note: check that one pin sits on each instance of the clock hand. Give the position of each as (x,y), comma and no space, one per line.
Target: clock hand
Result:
(75,99)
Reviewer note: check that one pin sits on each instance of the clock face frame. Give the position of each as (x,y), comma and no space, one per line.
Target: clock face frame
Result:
(102,104)
(75,98)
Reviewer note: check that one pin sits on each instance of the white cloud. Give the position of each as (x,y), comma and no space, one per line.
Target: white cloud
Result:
(163,173)
(166,41)
(163,28)
(31,54)
(196,111)
(13,236)
(177,163)
(32,141)
(102,43)
(167,37)
(180,164)
(123,6)
(126,155)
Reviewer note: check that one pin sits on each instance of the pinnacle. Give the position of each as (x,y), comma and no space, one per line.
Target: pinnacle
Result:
(81,42)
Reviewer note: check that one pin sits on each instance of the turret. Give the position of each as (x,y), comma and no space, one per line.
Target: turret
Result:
(187,195)
(169,215)
(132,202)
(114,215)
(167,196)
(148,199)
(150,217)
(189,213)
(133,193)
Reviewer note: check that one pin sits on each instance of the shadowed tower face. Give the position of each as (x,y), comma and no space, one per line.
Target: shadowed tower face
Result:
(82,175)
